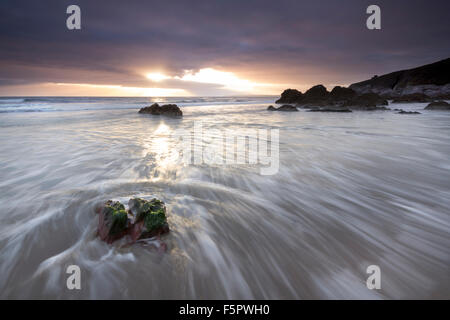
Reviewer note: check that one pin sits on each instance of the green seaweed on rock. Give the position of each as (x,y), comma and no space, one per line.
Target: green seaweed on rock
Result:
(153,212)
(155,219)
(116,217)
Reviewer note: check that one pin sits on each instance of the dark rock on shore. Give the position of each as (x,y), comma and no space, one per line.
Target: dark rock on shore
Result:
(414,97)
(290,96)
(422,84)
(443,97)
(366,101)
(285,107)
(342,94)
(340,98)
(316,95)
(347,98)
(407,112)
(438,105)
(329,110)
(170,110)
(144,219)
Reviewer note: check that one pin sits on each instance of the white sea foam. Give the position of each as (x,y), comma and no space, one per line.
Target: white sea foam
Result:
(352,190)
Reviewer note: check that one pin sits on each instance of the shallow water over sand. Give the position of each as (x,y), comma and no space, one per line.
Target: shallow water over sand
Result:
(352,190)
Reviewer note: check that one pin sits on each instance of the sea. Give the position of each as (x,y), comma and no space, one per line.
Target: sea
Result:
(350,191)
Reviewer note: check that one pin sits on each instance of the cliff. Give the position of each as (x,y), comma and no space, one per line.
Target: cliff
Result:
(431,79)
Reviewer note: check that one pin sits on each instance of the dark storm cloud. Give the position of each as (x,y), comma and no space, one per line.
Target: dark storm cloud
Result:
(277,41)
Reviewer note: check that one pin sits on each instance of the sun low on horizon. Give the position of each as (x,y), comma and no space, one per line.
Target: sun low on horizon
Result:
(156,84)
(207,49)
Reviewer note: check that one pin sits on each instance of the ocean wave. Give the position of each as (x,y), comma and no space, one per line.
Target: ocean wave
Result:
(74,104)
(66,99)
(23,110)
(11,100)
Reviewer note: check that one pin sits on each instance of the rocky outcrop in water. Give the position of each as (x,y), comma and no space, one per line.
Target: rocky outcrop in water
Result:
(438,105)
(432,80)
(422,84)
(150,218)
(285,107)
(340,99)
(401,111)
(290,96)
(170,110)
(414,97)
(342,94)
(330,110)
(144,219)
(317,95)
(113,221)
(366,101)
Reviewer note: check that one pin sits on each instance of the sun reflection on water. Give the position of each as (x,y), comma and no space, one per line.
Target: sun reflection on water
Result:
(160,146)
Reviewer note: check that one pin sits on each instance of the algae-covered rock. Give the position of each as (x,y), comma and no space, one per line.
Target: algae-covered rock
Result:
(140,207)
(113,221)
(144,219)
(150,218)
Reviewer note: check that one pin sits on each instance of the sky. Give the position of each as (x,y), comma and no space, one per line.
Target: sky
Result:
(211,47)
